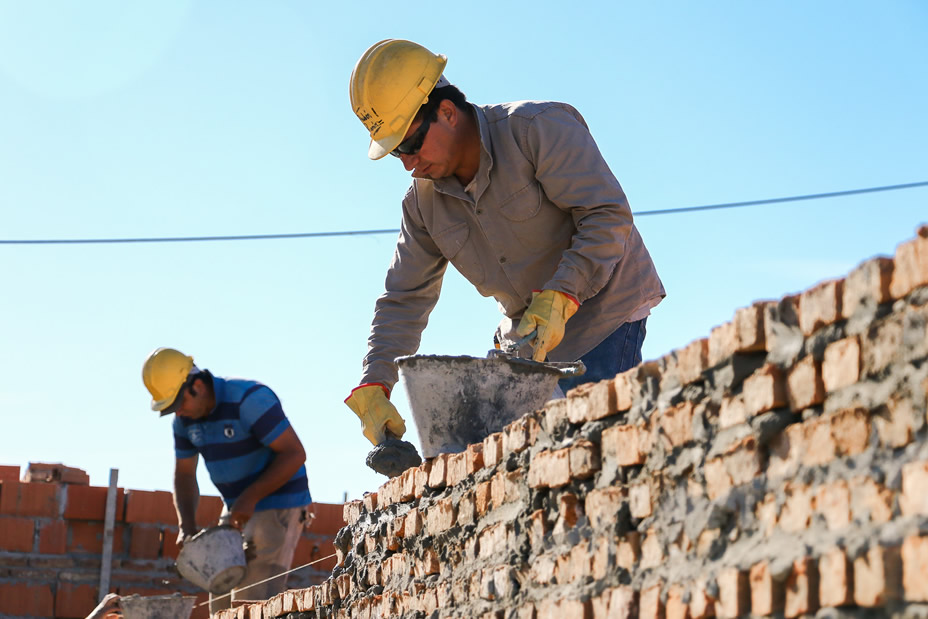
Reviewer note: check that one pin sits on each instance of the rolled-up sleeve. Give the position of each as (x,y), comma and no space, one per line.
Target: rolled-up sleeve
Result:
(576,178)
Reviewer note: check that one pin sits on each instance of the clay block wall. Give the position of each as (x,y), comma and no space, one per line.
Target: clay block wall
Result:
(51,541)
(778,467)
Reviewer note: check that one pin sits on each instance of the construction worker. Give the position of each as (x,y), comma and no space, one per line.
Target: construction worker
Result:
(253,456)
(519,199)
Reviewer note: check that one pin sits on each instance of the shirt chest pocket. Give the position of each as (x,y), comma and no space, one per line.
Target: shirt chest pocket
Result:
(455,244)
(536,222)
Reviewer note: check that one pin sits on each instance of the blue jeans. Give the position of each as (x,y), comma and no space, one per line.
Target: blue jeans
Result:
(619,352)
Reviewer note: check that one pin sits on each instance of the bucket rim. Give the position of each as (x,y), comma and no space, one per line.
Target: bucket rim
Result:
(516,362)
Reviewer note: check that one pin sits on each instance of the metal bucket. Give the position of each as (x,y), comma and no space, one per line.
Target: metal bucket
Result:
(156,607)
(213,559)
(457,401)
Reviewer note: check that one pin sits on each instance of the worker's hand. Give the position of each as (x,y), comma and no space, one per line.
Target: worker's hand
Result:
(242,511)
(108,607)
(184,535)
(370,403)
(546,315)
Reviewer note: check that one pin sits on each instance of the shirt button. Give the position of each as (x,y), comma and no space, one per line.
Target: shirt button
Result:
(480,211)
(503,259)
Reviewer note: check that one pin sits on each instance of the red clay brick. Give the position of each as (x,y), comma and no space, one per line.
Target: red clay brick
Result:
(785,312)
(151,507)
(144,542)
(89,502)
(911,265)
(575,565)
(457,469)
(732,411)
(723,343)
(804,384)
(833,502)
(583,459)
(555,609)
(438,471)
(649,603)
(483,497)
(869,282)
(520,434)
(87,537)
(750,328)
(626,387)
(913,500)
(493,450)
(603,505)
(796,513)
(53,537)
(870,501)
(17,534)
(73,600)
(474,458)
(21,599)
(591,401)
(29,499)
(851,430)
(836,582)
(639,500)
(352,511)
(56,472)
(877,577)
(734,593)
(802,588)
(676,424)
(569,512)
(549,469)
(841,366)
(628,444)
(440,516)
(9,473)
(702,605)
(652,552)
(915,569)
(676,608)
(768,595)
(764,390)
(628,550)
(817,432)
(616,603)
(407,483)
(693,360)
(897,422)
(821,306)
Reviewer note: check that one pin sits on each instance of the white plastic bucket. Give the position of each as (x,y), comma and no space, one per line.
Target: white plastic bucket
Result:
(457,401)
(213,559)
(156,606)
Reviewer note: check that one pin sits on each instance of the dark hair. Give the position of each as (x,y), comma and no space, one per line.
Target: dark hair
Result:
(449,92)
(203,375)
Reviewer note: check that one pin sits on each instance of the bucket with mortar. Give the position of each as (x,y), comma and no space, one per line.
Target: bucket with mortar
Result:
(213,559)
(156,606)
(457,401)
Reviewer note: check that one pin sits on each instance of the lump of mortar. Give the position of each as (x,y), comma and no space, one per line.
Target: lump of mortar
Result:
(393,456)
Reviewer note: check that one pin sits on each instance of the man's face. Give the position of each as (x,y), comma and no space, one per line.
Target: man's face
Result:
(434,159)
(195,402)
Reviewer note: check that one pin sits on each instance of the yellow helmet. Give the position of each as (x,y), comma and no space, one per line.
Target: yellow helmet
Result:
(388,85)
(164,373)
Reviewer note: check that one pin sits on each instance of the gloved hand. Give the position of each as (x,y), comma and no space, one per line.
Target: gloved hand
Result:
(547,314)
(369,402)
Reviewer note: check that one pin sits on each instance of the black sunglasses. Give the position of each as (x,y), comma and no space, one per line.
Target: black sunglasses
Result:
(412,144)
(179,398)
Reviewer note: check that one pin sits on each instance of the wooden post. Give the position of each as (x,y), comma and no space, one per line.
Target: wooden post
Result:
(106,562)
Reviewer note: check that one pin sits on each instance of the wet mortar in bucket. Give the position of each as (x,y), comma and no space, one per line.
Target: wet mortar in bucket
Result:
(213,559)
(174,606)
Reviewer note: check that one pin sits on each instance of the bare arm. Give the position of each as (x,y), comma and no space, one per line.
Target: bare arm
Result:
(186,495)
(289,456)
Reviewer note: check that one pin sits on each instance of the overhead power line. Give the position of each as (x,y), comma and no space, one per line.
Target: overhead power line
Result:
(303,235)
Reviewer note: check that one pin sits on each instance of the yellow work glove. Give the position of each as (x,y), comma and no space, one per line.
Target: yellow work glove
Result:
(547,314)
(369,402)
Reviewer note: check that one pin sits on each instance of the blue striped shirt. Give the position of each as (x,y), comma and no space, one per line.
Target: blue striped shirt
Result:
(234,441)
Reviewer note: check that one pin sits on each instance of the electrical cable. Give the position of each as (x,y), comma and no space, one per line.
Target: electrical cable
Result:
(295,235)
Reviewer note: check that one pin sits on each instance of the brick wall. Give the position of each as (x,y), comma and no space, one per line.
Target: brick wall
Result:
(777,467)
(51,540)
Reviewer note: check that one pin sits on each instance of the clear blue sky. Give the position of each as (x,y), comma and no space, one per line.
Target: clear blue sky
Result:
(170,118)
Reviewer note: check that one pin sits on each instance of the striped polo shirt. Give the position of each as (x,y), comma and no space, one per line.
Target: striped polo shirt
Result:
(233,440)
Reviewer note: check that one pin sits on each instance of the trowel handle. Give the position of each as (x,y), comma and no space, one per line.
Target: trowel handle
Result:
(569,369)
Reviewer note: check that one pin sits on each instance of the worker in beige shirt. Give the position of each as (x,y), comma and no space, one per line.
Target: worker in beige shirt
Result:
(519,199)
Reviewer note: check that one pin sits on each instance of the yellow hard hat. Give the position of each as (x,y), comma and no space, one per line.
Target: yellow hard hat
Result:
(388,86)
(164,373)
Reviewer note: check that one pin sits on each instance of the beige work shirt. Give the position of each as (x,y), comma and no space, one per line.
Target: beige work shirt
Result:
(544,212)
